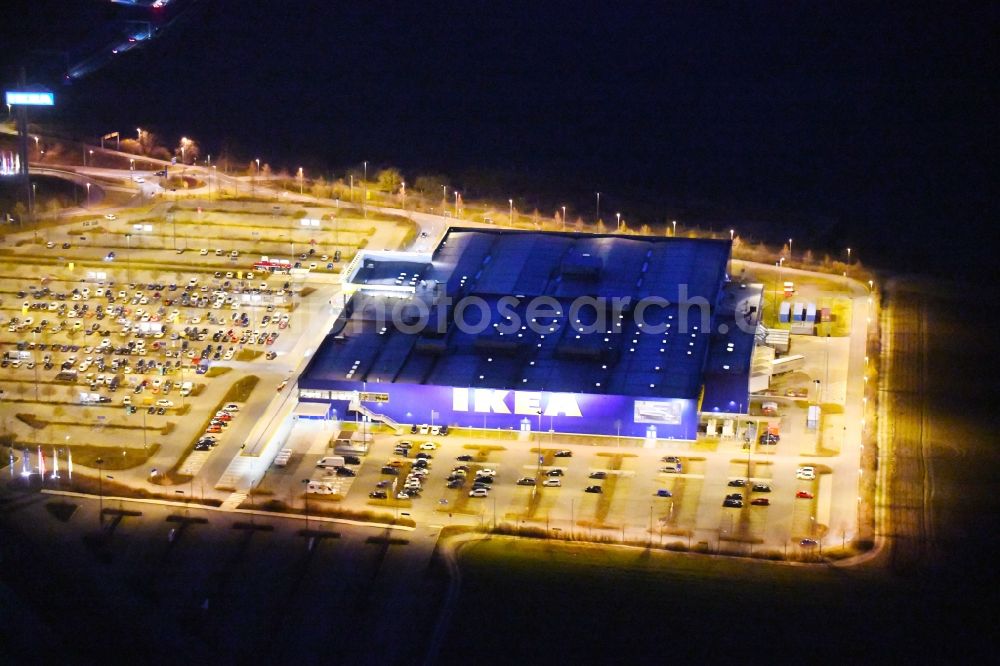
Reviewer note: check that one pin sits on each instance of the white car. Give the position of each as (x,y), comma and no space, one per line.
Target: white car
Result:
(552,483)
(163,402)
(424,429)
(110,216)
(140,179)
(486,472)
(428,446)
(479,492)
(805,473)
(231,407)
(203,251)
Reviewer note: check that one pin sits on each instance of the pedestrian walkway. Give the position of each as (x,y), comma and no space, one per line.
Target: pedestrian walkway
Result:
(237,474)
(234,501)
(194,462)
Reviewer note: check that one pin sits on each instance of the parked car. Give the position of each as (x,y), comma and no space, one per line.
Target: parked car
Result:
(593,489)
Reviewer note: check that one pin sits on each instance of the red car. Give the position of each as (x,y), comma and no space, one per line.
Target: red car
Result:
(802,494)
(761,501)
(213,429)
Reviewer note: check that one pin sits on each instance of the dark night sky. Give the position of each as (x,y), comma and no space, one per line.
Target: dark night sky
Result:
(850,125)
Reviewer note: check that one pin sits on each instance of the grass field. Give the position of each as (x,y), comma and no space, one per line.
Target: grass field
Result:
(599,605)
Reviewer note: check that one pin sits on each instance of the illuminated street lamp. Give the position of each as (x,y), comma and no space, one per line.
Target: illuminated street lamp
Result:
(300,177)
(598,215)
(618,223)
(88,194)
(138,134)
(564,218)
(674,223)
(456,203)
(789,249)
(511,202)
(37,148)
(848,256)
(100,490)
(731,233)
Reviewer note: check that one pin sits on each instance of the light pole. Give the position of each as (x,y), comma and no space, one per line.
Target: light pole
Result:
(732,233)
(674,223)
(91,157)
(138,134)
(88,194)
(300,175)
(848,256)
(618,223)
(183,145)
(598,214)
(364,200)
(564,218)
(305,499)
(456,204)
(511,217)
(128,257)
(789,249)
(100,490)
(215,176)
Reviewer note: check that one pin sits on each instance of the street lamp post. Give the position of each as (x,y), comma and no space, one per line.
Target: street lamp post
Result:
(88,194)
(848,256)
(456,204)
(618,223)
(674,223)
(364,194)
(305,499)
(564,218)
(300,175)
(128,257)
(511,217)
(597,216)
(789,249)
(100,490)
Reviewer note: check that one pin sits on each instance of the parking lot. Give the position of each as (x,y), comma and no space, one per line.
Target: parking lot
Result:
(664,495)
(120,332)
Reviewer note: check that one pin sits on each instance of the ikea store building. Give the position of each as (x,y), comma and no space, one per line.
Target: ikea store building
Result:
(563,332)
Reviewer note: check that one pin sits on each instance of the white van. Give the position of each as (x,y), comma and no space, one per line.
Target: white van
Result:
(329,462)
(319,488)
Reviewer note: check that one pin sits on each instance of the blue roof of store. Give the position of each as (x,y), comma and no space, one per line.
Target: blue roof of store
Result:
(557,355)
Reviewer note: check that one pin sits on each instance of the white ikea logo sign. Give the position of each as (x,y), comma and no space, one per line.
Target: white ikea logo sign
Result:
(528,403)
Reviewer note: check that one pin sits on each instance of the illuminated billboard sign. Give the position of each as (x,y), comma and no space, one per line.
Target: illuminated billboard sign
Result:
(582,413)
(28,98)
